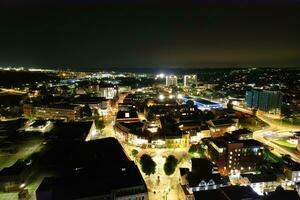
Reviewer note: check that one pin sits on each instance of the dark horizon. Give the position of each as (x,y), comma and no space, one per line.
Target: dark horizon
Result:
(85,35)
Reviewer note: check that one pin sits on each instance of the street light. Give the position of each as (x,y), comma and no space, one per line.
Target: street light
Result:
(179,96)
(161,97)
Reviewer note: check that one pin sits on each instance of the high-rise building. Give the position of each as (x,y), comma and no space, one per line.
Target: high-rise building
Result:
(189,80)
(171,80)
(268,101)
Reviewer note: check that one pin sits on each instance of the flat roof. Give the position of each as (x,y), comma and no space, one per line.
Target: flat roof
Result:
(37,123)
(97,181)
(205,102)
(227,193)
(225,140)
(57,106)
(71,155)
(71,130)
(259,178)
(223,121)
(123,114)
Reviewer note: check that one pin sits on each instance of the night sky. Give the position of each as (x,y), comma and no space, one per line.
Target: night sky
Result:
(92,34)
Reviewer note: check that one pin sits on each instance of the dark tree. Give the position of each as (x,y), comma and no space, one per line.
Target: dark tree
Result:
(193,148)
(134,152)
(209,115)
(170,165)
(190,103)
(99,124)
(86,111)
(148,165)
(229,105)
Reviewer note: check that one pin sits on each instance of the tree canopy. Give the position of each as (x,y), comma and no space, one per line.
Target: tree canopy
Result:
(86,111)
(197,150)
(99,124)
(134,152)
(148,165)
(170,165)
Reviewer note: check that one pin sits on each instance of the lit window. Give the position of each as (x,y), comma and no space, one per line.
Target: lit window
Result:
(127,115)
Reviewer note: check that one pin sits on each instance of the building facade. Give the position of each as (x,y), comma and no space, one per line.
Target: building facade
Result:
(171,80)
(53,111)
(189,80)
(235,156)
(267,101)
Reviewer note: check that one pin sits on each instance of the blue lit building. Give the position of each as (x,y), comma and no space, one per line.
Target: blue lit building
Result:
(202,104)
(268,101)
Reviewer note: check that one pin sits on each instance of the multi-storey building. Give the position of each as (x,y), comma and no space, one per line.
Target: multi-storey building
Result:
(268,101)
(53,111)
(234,156)
(171,80)
(189,80)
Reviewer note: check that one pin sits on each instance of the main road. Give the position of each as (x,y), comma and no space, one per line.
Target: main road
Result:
(260,136)
(273,127)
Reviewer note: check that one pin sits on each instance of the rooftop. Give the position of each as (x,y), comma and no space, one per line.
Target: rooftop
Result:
(228,193)
(223,122)
(126,114)
(71,130)
(38,123)
(202,169)
(97,181)
(280,194)
(79,154)
(225,140)
(259,178)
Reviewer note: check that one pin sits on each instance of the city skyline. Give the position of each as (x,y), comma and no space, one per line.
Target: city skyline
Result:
(149,99)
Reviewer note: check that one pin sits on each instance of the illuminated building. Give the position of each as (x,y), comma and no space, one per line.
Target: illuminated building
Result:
(108,92)
(268,101)
(201,177)
(235,156)
(180,140)
(132,133)
(127,116)
(219,127)
(53,111)
(233,192)
(261,183)
(202,104)
(39,126)
(189,80)
(171,80)
(291,170)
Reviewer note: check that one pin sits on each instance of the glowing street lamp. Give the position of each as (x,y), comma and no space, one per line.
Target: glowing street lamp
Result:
(179,96)
(161,97)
